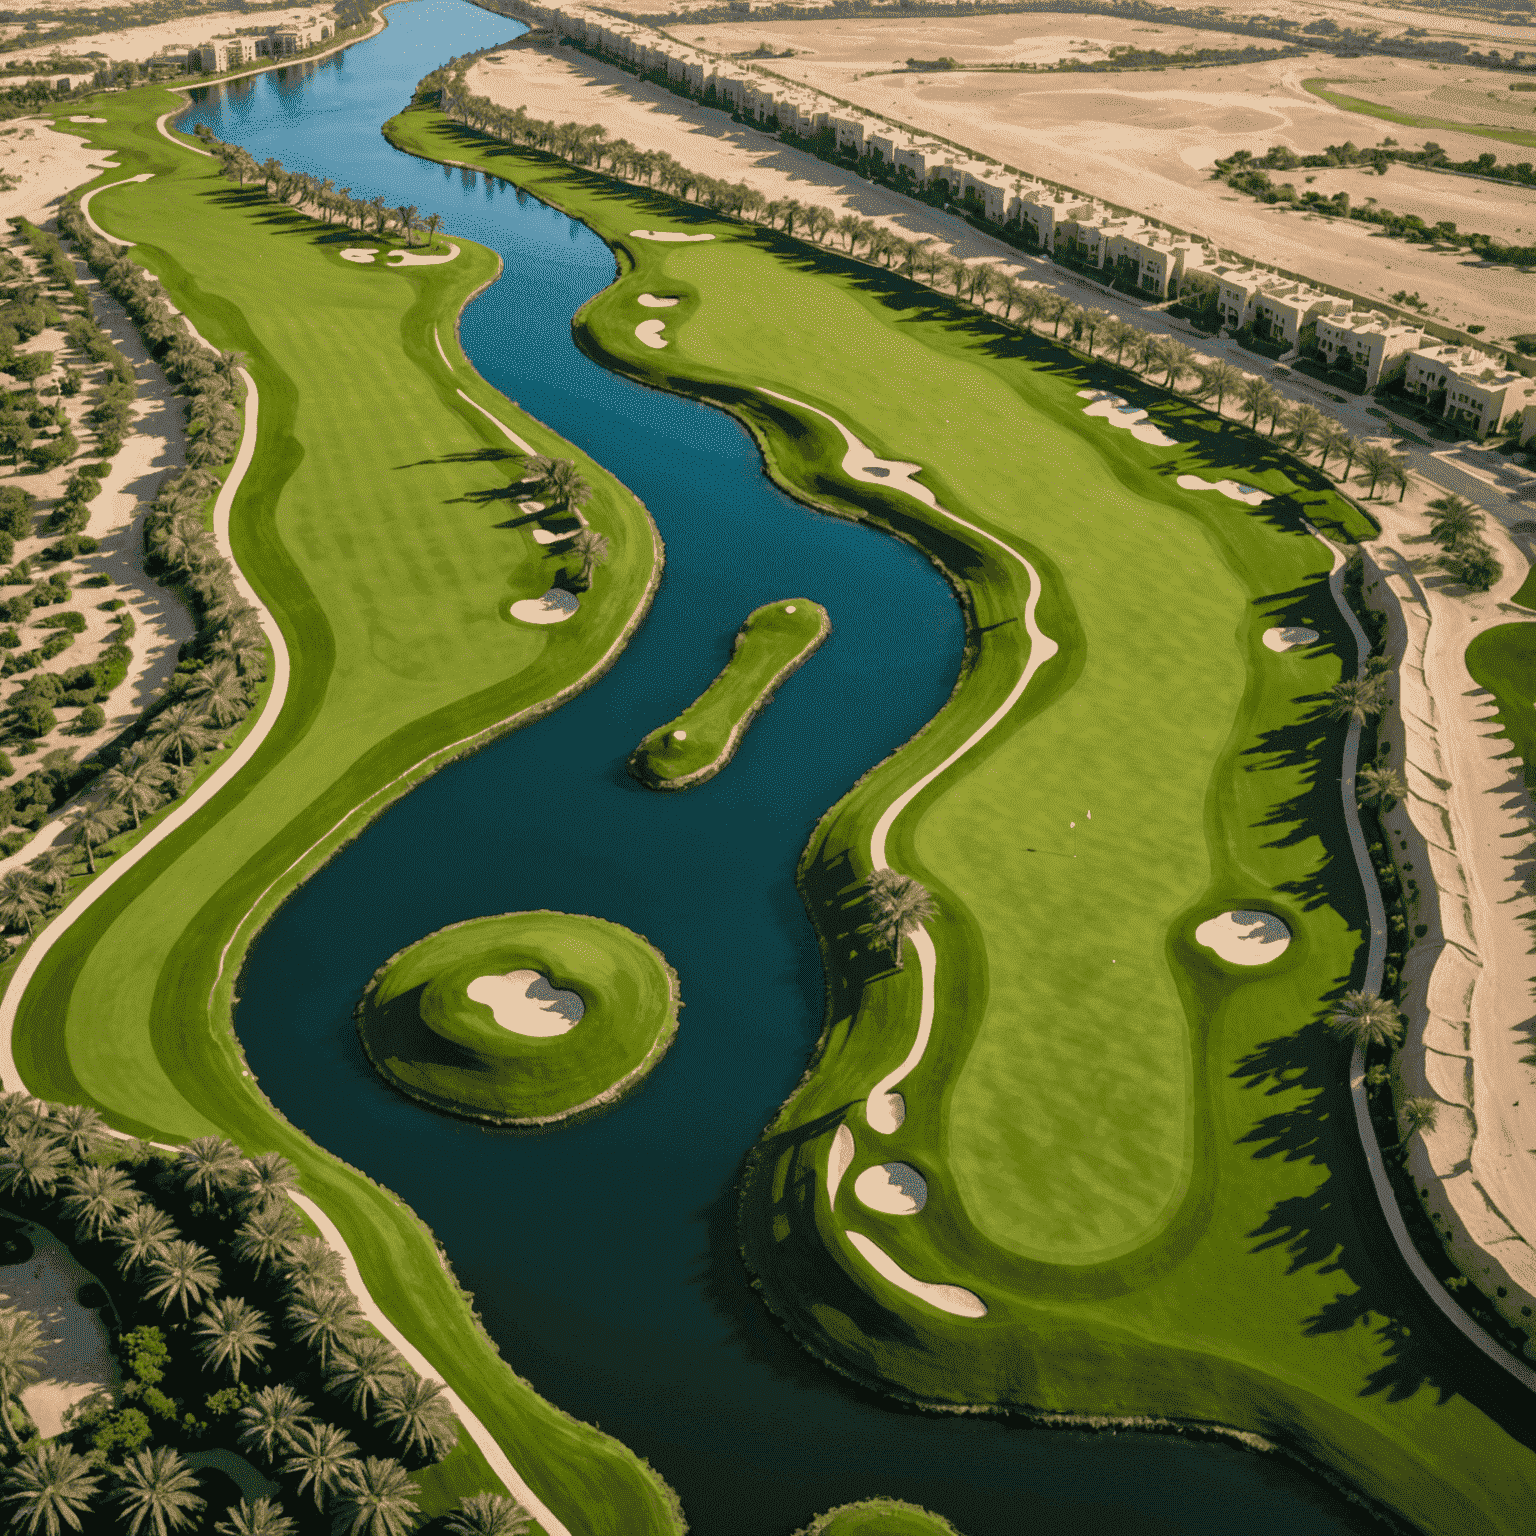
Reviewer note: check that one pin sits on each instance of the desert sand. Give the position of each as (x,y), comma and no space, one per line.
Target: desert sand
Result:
(141,43)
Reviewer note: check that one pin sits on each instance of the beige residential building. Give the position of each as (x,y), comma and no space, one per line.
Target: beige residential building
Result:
(1274,306)
(1369,343)
(221,54)
(1479,395)
(283,42)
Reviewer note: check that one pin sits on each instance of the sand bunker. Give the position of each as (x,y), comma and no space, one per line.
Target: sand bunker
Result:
(663,234)
(838,1161)
(1288,638)
(77,1351)
(954,1299)
(525,1003)
(1118,412)
(650,301)
(358,253)
(87,119)
(555,607)
(418,258)
(886,1112)
(1250,495)
(1245,938)
(649,331)
(898,1189)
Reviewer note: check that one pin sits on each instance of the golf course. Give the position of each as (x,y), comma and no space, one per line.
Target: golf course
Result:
(525,1019)
(1053,1157)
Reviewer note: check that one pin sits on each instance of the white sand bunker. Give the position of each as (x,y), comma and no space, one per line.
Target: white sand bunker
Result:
(77,1351)
(838,1161)
(419,258)
(954,1299)
(1289,637)
(1118,412)
(650,301)
(898,1189)
(555,607)
(886,1112)
(525,1003)
(649,331)
(1245,938)
(358,253)
(663,234)
(1249,495)
(87,119)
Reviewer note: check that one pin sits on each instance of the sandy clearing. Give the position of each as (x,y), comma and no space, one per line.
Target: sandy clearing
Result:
(1118,412)
(525,1003)
(838,1161)
(555,607)
(77,1349)
(1289,637)
(649,333)
(141,43)
(897,1189)
(45,164)
(662,234)
(1234,490)
(954,1299)
(1244,937)
(650,301)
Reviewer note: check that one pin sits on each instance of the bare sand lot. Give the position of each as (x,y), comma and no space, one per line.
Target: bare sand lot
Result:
(1146,140)
(183,33)
(1451,92)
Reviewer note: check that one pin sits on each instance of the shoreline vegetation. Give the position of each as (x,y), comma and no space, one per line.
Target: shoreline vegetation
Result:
(429,1041)
(402,1264)
(799,1264)
(774,642)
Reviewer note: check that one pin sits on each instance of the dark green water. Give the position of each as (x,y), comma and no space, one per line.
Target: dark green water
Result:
(603,1257)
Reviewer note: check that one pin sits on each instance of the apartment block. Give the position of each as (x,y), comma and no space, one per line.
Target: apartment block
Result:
(1480,395)
(1276,307)
(221,54)
(1370,343)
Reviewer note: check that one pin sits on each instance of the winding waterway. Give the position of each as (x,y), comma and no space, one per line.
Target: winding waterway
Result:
(603,1257)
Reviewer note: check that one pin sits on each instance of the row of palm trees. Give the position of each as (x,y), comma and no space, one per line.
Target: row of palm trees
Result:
(560,485)
(1457,527)
(323,195)
(50,1164)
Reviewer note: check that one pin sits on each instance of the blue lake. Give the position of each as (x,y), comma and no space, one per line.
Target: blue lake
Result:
(603,1257)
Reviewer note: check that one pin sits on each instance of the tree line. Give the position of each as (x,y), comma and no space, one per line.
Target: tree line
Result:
(232,1328)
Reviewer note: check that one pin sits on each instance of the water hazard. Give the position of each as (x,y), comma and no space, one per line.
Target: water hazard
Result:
(603,1257)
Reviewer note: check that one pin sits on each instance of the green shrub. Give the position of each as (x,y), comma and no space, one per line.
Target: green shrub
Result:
(30,365)
(17,609)
(100,579)
(19,575)
(34,718)
(56,645)
(91,718)
(71,382)
(18,509)
(54,452)
(47,686)
(5,772)
(14,842)
(69,619)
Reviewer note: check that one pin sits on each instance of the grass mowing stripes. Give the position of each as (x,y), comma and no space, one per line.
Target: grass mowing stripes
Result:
(775,640)
(369,524)
(1230,1265)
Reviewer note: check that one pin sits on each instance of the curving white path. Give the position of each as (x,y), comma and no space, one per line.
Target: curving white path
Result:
(165,117)
(1375,961)
(439,340)
(85,207)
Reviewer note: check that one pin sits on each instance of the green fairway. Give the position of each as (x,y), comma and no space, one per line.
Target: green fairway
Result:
(1141,1157)
(429,1038)
(1503,660)
(373,522)
(1371,109)
(879,1517)
(776,639)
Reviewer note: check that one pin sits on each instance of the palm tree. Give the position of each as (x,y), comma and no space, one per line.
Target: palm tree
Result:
(271,1420)
(320,1458)
(81,1127)
(364,1368)
(561,486)
(184,1272)
(1375,464)
(264,1237)
(325,1319)
(1357,698)
(1419,1115)
(1367,1019)
(50,1487)
(1178,360)
(1380,784)
(592,548)
(488,1514)
(137,782)
(1276,412)
(210,1166)
(418,1417)
(231,1334)
(1093,321)
(1331,440)
(157,1491)
(93,825)
(434,223)
(97,1198)
(18,1112)
(31,1162)
(21,1353)
(900,905)
(1454,520)
(1305,424)
(1255,393)
(180,726)
(220,690)
(408,217)
(269,1179)
(263,1518)
(1220,379)
(142,1236)
(53,866)
(311,1261)
(21,899)
(377,1498)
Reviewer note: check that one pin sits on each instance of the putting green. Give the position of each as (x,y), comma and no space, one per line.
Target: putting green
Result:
(371,522)
(776,639)
(879,1517)
(439,1025)
(1503,660)
(1156,1185)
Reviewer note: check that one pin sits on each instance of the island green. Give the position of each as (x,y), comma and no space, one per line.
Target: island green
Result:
(775,641)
